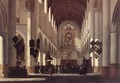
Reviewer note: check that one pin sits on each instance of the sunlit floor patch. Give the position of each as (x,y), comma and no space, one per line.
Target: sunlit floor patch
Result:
(21,79)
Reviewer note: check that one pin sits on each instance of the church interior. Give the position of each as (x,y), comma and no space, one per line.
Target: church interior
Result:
(59,33)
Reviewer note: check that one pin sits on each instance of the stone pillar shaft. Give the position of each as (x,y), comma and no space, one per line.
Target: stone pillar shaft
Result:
(1,50)
(106,37)
(45,6)
(114,49)
(12,33)
(29,59)
(97,25)
(92,17)
(119,53)
(106,32)
(3,58)
(98,61)
(114,67)
(119,48)
(36,28)
(30,33)
(28,38)
(92,27)
(96,36)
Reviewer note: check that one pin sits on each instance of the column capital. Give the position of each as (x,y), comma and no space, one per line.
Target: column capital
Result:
(30,5)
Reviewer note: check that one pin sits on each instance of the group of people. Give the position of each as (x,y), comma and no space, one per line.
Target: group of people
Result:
(62,69)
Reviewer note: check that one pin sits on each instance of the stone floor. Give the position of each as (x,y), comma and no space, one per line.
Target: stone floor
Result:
(60,78)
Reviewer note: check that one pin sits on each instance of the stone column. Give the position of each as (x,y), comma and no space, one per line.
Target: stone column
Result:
(98,37)
(41,58)
(97,26)
(29,7)
(114,51)
(119,53)
(45,6)
(114,55)
(36,29)
(12,33)
(3,47)
(92,17)
(4,55)
(88,54)
(92,26)
(28,41)
(2,65)
(98,20)
(106,38)
(45,14)
(100,32)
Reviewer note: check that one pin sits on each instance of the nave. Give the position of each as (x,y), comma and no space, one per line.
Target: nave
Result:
(59,33)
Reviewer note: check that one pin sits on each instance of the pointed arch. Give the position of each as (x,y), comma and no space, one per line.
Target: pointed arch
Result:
(116,17)
(3,18)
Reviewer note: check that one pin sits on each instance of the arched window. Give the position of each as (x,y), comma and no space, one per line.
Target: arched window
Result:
(68,35)
(68,39)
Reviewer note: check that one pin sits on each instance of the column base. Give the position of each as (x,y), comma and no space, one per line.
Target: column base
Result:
(97,69)
(105,71)
(114,69)
(30,69)
(3,71)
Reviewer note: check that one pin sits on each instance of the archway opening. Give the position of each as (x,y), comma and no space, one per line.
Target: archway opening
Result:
(68,40)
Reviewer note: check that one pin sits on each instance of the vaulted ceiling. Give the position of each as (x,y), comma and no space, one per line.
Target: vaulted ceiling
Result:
(63,10)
